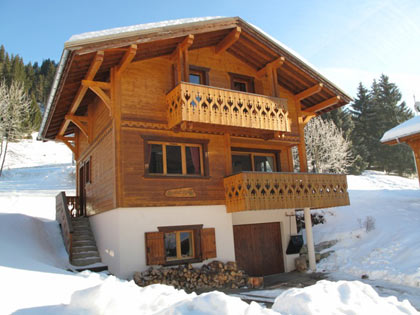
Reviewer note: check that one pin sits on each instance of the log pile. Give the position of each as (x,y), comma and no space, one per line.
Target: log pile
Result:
(213,275)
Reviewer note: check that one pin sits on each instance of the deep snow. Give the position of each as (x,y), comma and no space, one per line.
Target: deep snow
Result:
(33,260)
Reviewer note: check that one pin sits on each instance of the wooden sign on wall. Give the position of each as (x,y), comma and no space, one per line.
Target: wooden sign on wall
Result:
(181,192)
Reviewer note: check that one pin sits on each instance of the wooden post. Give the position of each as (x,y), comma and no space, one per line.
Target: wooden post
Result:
(228,152)
(309,239)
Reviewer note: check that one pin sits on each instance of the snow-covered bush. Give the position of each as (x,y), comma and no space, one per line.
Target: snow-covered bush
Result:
(368,224)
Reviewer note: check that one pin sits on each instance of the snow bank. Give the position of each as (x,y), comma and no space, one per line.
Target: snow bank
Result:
(407,128)
(342,297)
(115,296)
(391,251)
(30,152)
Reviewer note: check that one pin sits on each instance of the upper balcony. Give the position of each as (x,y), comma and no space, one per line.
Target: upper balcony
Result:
(262,191)
(210,105)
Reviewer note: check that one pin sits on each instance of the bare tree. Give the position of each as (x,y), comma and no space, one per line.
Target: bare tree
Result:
(326,148)
(15,107)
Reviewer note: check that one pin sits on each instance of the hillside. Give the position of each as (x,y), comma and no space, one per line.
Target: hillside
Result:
(36,279)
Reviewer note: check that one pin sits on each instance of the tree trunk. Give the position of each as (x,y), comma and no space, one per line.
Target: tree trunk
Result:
(4,157)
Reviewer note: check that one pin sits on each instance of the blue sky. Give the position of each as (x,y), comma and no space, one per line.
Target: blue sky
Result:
(348,41)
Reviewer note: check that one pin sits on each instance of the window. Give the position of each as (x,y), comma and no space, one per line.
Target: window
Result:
(252,161)
(199,75)
(242,83)
(180,244)
(173,158)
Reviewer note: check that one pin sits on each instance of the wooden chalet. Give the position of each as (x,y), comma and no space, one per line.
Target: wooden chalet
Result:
(407,132)
(182,132)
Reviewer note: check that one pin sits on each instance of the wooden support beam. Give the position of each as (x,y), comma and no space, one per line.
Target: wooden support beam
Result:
(90,75)
(126,60)
(307,118)
(327,103)
(102,85)
(80,122)
(271,65)
(184,45)
(228,157)
(103,96)
(309,92)
(228,41)
(68,142)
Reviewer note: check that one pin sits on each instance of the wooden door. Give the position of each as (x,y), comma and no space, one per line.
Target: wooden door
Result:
(82,191)
(258,248)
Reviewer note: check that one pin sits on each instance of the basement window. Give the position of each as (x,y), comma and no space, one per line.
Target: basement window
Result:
(174,245)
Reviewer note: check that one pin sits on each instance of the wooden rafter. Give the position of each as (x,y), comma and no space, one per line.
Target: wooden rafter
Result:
(69,142)
(309,92)
(81,122)
(327,103)
(90,75)
(184,45)
(228,41)
(271,65)
(126,60)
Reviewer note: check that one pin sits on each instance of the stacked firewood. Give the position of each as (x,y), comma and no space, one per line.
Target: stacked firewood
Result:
(213,275)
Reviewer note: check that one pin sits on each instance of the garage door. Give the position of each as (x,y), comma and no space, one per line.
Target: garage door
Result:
(258,248)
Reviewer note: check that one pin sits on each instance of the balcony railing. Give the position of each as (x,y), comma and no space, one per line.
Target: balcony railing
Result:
(204,104)
(260,191)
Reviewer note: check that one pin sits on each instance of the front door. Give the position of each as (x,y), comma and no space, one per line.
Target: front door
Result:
(82,191)
(258,248)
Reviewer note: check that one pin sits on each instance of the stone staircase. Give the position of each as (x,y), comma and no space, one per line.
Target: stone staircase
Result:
(83,251)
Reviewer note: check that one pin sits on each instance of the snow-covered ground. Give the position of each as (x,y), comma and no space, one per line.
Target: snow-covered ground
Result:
(33,261)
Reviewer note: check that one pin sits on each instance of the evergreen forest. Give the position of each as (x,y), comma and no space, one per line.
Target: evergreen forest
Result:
(36,80)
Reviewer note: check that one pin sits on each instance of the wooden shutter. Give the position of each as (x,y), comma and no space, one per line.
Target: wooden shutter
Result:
(155,248)
(208,243)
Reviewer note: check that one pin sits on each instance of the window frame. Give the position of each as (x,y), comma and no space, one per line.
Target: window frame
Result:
(249,81)
(257,152)
(202,72)
(202,144)
(196,240)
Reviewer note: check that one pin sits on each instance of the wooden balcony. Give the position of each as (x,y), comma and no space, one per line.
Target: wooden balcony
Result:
(209,105)
(261,191)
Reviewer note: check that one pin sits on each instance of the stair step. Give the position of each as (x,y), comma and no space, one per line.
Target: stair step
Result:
(83,232)
(82,249)
(91,254)
(79,243)
(85,261)
(83,237)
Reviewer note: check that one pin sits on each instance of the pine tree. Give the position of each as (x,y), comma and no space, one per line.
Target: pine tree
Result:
(360,137)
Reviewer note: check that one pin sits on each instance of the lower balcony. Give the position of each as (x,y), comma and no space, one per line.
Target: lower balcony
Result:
(203,104)
(261,191)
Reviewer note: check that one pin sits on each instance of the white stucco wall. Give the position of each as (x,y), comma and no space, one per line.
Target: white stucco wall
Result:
(287,227)
(120,239)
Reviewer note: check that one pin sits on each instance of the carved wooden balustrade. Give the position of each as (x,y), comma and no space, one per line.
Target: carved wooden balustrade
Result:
(260,191)
(73,206)
(204,104)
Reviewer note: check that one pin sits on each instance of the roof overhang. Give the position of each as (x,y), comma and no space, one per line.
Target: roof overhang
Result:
(253,47)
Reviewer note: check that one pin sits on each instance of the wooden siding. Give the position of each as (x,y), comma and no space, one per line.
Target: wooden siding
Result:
(100,192)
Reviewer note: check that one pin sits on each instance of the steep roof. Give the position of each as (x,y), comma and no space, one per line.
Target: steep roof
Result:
(408,128)
(254,47)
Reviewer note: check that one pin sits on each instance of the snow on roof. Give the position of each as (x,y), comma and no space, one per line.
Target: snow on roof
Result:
(407,128)
(127,30)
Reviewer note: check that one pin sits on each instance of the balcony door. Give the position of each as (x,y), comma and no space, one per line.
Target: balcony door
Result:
(253,162)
